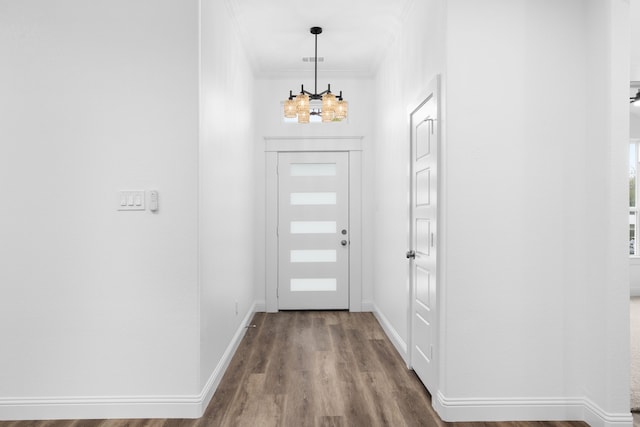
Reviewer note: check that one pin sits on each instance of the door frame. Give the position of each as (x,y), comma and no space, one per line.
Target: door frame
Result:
(434,87)
(273,146)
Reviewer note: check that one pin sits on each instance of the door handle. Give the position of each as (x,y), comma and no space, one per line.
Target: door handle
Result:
(343,243)
(411,254)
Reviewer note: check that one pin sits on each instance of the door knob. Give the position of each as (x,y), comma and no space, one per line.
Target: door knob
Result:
(411,254)
(343,243)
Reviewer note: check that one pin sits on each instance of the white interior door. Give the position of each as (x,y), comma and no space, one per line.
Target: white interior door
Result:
(313,230)
(423,228)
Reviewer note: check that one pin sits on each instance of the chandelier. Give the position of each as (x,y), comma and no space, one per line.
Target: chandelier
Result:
(333,108)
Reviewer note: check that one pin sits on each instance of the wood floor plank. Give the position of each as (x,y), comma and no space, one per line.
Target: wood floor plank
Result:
(244,410)
(280,362)
(270,410)
(339,343)
(179,423)
(247,402)
(328,397)
(300,401)
(330,422)
(134,423)
(383,399)
(394,367)
(302,343)
(320,334)
(365,359)
(265,340)
(357,412)
(368,326)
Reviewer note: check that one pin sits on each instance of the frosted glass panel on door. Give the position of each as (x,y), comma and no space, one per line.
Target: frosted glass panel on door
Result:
(313,285)
(313,198)
(313,169)
(313,227)
(313,255)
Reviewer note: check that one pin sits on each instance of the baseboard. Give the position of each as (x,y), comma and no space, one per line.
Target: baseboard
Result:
(394,336)
(368,306)
(105,407)
(217,374)
(527,409)
(259,306)
(97,407)
(596,417)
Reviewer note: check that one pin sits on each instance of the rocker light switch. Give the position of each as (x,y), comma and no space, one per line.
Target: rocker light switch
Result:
(130,201)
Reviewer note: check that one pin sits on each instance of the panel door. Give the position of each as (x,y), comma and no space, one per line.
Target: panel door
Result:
(313,230)
(424,200)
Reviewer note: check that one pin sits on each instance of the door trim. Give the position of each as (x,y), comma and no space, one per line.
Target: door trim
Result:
(273,146)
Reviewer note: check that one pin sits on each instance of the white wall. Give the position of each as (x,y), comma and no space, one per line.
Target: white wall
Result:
(534,312)
(530,179)
(409,65)
(121,314)
(634,16)
(97,97)
(606,380)
(512,132)
(227,206)
(269,124)
(634,129)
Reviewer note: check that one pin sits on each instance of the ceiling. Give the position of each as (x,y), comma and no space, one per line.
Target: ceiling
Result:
(356,34)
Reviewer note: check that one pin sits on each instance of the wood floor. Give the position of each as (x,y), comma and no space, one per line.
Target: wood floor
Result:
(320,369)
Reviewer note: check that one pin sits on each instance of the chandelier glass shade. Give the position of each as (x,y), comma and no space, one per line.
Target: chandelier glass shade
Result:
(333,108)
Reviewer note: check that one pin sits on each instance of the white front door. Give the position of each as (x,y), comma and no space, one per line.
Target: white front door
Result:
(424,227)
(313,230)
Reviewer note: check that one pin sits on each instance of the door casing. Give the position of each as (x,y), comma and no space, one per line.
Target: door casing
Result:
(273,146)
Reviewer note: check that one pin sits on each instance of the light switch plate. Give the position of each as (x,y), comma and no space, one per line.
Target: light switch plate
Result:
(132,200)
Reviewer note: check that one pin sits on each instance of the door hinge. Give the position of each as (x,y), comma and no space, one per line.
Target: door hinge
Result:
(432,239)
